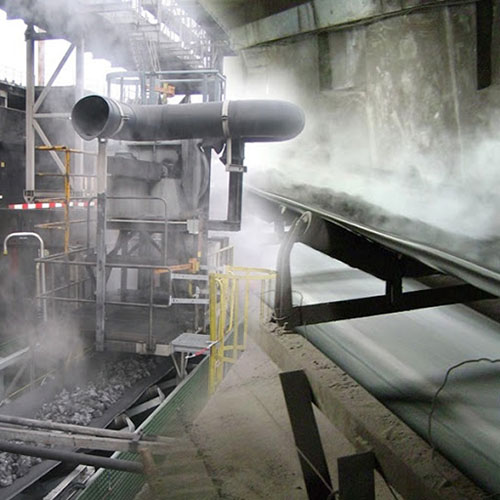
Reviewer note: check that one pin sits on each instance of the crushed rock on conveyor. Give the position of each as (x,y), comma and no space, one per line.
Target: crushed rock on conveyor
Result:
(80,406)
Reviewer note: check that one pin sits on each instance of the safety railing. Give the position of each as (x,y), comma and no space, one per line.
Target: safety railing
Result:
(237,297)
(70,178)
(218,260)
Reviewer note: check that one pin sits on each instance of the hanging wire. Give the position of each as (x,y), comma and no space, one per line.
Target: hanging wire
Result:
(434,406)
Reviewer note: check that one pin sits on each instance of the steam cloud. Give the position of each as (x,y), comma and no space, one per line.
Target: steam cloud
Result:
(426,190)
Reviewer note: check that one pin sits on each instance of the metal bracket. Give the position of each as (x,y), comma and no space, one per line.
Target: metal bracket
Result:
(29,195)
(283,296)
(193,226)
(236,168)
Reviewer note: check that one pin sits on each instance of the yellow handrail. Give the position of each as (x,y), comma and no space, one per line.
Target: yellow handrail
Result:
(231,302)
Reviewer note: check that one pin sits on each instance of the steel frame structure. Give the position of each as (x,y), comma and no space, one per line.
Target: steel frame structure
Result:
(209,83)
(33,105)
(98,262)
(385,257)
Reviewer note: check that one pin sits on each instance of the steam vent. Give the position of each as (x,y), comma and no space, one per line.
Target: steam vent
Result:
(250,250)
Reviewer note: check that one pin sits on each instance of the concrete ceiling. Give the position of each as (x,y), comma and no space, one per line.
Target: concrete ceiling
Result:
(231,14)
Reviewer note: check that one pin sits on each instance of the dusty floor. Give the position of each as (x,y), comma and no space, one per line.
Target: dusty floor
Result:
(245,439)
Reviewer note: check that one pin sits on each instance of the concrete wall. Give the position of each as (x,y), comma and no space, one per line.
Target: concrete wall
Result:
(397,94)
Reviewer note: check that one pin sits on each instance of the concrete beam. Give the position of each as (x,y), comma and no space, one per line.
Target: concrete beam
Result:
(407,461)
(234,13)
(322,15)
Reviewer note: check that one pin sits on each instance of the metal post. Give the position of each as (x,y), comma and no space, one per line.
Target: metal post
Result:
(235,157)
(100,272)
(41,63)
(29,191)
(298,397)
(80,184)
(283,303)
(67,197)
(151,343)
(124,270)
(206,97)
(356,478)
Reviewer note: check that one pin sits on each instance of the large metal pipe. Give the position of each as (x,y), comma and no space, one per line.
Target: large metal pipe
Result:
(71,457)
(250,121)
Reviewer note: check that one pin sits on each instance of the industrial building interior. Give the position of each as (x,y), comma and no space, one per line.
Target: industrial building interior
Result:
(250,249)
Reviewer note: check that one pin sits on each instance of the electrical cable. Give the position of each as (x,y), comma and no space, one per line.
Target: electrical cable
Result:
(441,387)
(434,404)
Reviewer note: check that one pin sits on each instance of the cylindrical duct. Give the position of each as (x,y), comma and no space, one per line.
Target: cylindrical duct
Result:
(250,121)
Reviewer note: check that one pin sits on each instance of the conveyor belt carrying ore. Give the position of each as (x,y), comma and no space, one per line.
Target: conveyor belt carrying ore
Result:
(93,393)
(481,247)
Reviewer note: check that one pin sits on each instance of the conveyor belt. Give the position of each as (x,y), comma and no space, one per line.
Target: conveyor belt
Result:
(470,272)
(28,405)
(402,358)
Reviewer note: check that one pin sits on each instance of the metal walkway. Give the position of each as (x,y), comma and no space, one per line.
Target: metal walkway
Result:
(142,35)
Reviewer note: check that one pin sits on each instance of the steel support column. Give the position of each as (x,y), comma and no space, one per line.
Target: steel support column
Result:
(484,24)
(100,272)
(298,397)
(80,183)
(29,192)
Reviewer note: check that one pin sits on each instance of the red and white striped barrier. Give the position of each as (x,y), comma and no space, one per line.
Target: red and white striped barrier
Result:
(51,204)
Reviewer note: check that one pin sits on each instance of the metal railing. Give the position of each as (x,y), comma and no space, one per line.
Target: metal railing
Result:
(218,260)
(235,297)
(68,175)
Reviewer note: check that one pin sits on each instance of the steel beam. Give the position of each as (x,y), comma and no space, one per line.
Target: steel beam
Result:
(67,440)
(52,79)
(100,271)
(30,101)
(36,126)
(298,398)
(373,306)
